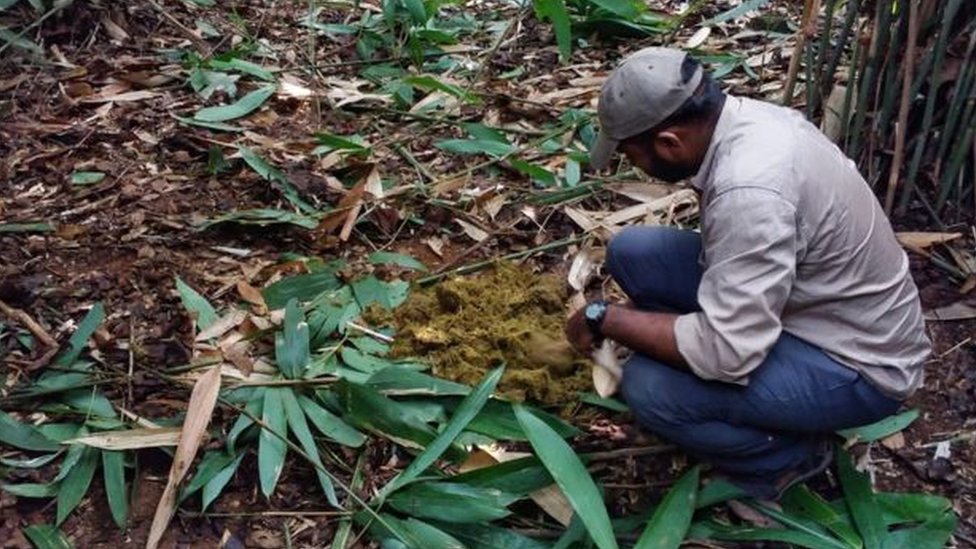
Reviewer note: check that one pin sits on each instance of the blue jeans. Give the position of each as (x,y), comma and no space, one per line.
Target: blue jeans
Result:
(774,423)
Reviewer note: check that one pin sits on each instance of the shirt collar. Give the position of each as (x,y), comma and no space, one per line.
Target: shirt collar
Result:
(722,128)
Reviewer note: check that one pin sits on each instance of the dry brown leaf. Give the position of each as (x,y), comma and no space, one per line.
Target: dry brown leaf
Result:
(133,439)
(698,38)
(199,412)
(436,245)
(222,325)
(922,240)
(641,192)
(956,311)
(550,499)
(895,441)
(607,372)
(348,206)
(642,210)
(116,32)
(252,295)
(473,232)
(122,97)
(584,266)
(581,218)
(444,186)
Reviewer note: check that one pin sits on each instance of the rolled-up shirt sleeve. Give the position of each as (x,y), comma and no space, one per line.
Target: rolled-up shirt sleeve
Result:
(750,245)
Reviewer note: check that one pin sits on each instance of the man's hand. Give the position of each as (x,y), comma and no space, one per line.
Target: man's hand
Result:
(578,332)
(643,331)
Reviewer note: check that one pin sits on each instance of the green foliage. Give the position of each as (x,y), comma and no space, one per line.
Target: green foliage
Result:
(605,18)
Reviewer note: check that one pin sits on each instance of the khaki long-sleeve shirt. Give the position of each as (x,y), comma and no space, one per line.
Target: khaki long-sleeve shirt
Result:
(794,239)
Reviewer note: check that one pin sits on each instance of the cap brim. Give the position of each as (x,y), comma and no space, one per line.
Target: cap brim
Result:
(602,151)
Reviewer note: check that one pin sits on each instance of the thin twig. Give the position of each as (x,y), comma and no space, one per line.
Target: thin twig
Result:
(477,266)
(371,333)
(631,452)
(807,29)
(901,127)
(199,43)
(29,323)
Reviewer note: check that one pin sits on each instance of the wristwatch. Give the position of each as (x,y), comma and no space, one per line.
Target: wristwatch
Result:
(594,314)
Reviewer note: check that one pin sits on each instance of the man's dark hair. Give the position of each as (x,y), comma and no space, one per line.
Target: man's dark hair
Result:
(704,105)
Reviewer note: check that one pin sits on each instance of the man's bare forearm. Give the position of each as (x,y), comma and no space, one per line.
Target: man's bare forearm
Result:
(649,333)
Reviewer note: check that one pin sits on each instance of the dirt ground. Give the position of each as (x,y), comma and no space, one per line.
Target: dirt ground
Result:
(123,240)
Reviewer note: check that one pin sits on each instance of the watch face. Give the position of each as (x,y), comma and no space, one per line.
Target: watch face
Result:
(593,311)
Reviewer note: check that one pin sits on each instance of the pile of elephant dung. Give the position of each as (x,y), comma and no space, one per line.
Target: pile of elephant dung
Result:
(466,326)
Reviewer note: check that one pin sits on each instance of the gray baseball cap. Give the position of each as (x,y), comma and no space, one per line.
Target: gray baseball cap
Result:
(643,91)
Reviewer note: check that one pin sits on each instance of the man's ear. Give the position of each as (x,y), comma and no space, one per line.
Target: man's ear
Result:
(670,145)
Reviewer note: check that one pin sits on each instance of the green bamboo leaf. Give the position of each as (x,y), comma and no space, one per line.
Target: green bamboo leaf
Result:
(466,411)
(298,425)
(218,126)
(497,420)
(612,404)
(723,532)
(487,536)
(210,465)
(555,12)
(410,534)
(571,476)
(370,410)
(901,508)
(254,408)
(113,473)
(519,477)
(624,8)
(16,434)
(197,305)
(47,536)
(861,502)
(881,429)
(31,490)
(671,519)
(400,381)
(28,463)
(417,11)
(391,258)
(430,83)
(216,485)
(534,171)
(738,11)
(808,527)
(331,425)
(240,65)
(304,287)
(242,107)
(262,217)
(476,146)
(271,447)
(86,178)
(27,228)
(929,535)
(74,486)
(292,343)
(450,502)
(368,364)
(76,344)
(800,500)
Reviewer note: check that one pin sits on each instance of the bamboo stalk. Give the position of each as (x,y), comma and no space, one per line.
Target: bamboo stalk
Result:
(808,28)
(850,25)
(902,125)
(959,153)
(856,61)
(950,13)
(879,39)
(889,82)
(963,87)
(815,95)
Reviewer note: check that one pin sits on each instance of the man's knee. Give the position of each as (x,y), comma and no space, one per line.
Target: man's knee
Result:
(631,244)
(644,386)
